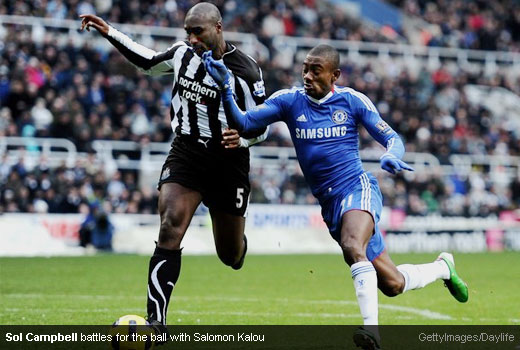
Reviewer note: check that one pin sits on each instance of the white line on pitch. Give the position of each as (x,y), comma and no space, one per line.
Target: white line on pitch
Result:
(420,312)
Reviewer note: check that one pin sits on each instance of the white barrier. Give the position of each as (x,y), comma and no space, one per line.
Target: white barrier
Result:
(39,235)
(271,229)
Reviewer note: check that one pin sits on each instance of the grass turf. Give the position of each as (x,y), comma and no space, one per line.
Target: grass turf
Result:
(295,289)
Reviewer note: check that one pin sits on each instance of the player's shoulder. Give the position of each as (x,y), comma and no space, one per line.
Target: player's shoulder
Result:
(241,64)
(288,94)
(181,44)
(355,98)
(177,48)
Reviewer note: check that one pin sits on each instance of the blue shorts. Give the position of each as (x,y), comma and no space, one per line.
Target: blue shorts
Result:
(364,195)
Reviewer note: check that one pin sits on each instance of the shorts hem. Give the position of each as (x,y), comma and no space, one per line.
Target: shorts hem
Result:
(359,209)
(377,256)
(177,181)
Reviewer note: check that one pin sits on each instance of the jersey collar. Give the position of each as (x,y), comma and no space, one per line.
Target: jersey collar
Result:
(230,48)
(323,99)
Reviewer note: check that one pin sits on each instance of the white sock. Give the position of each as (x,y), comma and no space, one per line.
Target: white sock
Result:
(365,284)
(418,276)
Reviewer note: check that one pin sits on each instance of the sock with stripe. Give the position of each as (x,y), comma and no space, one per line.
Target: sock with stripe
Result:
(418,276)
(163,272)
(365,284)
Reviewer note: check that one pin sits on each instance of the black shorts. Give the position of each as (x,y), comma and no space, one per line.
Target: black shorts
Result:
(220,175)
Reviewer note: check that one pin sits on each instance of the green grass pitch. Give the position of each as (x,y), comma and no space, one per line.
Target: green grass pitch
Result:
(284,289)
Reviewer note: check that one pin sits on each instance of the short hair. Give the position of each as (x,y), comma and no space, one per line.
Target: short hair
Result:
(205,9)
(328,52)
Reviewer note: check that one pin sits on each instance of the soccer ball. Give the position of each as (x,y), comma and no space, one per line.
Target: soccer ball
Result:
(131,332)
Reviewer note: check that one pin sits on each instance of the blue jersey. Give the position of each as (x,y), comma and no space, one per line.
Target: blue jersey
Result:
(325,134)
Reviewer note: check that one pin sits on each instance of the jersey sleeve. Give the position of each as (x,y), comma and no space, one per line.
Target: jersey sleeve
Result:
(250,92)
(272,110)
(377,127)
(254,95)
(146,60)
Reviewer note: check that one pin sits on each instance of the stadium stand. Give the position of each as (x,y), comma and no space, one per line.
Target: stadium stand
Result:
(480,25)
(52,87)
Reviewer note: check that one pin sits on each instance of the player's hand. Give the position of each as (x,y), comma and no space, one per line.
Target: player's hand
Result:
(217,70)
(393,164)
(94,21)
(230,138)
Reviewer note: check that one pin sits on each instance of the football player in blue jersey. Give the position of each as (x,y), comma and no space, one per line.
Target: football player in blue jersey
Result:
(323,121)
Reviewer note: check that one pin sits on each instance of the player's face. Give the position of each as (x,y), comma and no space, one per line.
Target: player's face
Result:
(318,75)
(203,33)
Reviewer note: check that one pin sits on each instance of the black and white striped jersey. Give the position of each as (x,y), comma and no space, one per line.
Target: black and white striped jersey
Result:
(196,108)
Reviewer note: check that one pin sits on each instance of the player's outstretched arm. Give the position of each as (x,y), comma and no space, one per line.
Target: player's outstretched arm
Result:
(146,60)
(258,118)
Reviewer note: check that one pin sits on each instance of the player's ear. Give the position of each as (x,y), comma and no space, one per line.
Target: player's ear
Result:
(219,27)
(335,75)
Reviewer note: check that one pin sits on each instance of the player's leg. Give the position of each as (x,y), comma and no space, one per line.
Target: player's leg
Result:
(352,221)
(357,227)
(230,241)
(227,200)
(389,279)
(394,280)
(356,233)
(177,204)
(182,182)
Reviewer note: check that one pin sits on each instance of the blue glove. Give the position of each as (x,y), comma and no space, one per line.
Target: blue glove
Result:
(217,70)
(393,164)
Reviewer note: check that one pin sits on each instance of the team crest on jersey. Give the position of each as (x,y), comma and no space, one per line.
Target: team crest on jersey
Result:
(339,116)
(259,88)
(165,174)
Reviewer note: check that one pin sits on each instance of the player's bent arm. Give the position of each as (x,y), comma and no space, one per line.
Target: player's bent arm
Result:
(386,136)
(146,60)
(259,117)
(253,94)
(383,133)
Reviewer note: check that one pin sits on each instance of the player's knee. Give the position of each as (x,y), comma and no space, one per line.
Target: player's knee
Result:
(391,288)
(228,258)
(352,250)
(171,231)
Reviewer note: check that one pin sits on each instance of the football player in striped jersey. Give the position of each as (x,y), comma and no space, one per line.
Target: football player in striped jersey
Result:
(208,161)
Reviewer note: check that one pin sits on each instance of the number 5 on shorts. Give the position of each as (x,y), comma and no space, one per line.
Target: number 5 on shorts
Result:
(240,197)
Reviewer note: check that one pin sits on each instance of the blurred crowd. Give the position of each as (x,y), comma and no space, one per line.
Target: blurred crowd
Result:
(83,94)
(38,187)
(475,24)
(264,18)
